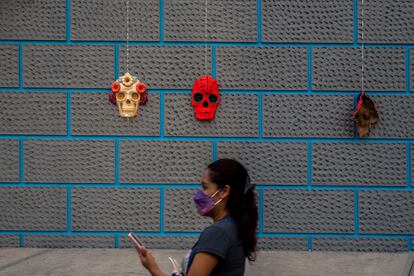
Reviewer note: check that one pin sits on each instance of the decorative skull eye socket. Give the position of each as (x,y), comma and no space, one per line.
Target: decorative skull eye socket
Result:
(135,96)
(198,97)
(212,98)
(120,96)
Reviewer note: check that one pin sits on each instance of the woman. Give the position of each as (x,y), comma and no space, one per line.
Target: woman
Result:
(228,197)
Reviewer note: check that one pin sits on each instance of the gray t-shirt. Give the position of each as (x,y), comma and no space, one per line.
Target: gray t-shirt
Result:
(221,240)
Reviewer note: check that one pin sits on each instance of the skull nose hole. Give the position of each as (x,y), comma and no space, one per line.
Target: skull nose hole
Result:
(205,104)
(128,101)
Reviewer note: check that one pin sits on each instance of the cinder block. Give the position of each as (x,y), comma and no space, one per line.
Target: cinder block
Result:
(230,20)
(366,164)
(386,21)
(269,162)
(340,69)
(163,161)
(318,21)
(33,208)
(237,115)
(111,209)
(110,19)
(69,161)
(33,20)
(9,160)
(359,244)
(68,66)
(180,213)
(396,117)
(93,114)
(386,212)
(9,64)
(69,241)
(282,243)
(33,113)
(171,67)
(164,242)
(308,211)
(307,116)
(9,241)
(262,68)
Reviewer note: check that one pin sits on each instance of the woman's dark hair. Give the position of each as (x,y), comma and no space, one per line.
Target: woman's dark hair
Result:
(242,200)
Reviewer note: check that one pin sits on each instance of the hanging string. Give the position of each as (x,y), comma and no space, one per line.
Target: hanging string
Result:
(362,50)
(206,36)
(127,36)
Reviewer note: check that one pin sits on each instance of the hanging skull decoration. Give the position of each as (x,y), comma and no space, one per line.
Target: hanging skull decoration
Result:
(128,94)
(205,98)
(366,115)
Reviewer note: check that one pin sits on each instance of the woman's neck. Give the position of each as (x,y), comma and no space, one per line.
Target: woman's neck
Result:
(219,215)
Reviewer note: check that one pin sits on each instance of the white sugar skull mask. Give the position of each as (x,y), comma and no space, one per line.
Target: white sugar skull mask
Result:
(128,93)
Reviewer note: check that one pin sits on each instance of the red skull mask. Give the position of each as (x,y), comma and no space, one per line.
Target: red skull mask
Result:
(205,98)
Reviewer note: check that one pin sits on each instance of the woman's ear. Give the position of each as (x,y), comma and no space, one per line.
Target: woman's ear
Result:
(225,192)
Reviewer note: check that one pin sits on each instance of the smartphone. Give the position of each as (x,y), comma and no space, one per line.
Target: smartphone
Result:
(135,240)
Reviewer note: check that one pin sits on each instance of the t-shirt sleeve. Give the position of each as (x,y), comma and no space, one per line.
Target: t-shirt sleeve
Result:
(214,240)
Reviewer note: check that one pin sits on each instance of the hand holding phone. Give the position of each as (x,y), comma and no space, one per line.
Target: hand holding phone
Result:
(136,241)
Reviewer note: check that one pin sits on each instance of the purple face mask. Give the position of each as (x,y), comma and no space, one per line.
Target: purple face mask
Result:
(204,203)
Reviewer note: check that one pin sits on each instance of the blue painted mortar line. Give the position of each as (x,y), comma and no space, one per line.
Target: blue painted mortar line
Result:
(309,165)
(161,30)
(162,209)
(356,138)
(261,223)
(202,43)
(68,21)
(21,240)
(116,64)
(193,233)
(407,70)
(408,155)
(259,22)
(205,139)
(410,245)
(20,67)
(260,116)
(68,114)
(116,162)
(116,240)
(162,115)
(214,150)
(214,62)
(356,213)
(21,160)
(194,185)
(310,243)
(223,91)
(69,210)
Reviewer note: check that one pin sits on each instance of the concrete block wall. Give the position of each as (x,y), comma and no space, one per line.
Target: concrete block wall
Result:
(75,174)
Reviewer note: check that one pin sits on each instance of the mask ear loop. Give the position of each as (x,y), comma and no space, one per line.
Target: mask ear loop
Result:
(213,195)
(216,192)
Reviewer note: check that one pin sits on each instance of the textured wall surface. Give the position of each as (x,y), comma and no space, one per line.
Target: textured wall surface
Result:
(73,174)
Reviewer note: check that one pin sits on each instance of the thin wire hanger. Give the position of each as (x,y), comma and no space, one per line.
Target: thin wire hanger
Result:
(362,49)
(127,38)
(206,38)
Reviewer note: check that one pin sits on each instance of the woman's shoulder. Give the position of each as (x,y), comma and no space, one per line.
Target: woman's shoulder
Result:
(226,228)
